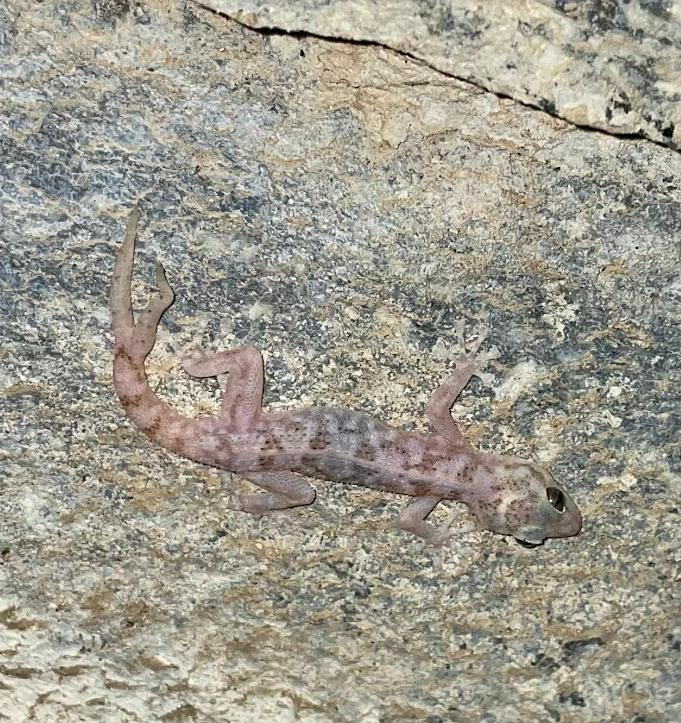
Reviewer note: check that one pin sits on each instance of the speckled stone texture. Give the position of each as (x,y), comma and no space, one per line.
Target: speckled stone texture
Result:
(608,64)
(340,206)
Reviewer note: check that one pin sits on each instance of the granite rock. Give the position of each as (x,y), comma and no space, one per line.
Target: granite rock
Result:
(615,66)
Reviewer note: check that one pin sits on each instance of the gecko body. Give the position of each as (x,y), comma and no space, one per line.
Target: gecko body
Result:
(279,451)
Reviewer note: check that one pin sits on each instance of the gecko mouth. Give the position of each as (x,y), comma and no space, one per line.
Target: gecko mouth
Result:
(528,545)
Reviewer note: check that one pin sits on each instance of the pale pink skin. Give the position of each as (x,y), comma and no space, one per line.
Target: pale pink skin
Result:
(277,452)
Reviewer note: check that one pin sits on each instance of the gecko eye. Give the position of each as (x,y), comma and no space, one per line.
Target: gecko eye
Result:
(556,498)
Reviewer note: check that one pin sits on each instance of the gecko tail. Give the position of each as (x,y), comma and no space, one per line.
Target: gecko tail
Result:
(134,340)
(137,338)
(122,320)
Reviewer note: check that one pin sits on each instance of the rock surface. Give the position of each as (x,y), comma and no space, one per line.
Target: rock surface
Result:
(603,64)
(340,206)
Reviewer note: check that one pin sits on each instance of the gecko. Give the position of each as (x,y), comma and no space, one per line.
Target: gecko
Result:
(279,452)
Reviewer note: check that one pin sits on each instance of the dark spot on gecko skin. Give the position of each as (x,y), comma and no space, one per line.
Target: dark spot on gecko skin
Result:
(321,439)
(349,471)
(365,451)
(364,474)
(408,466)
(131,400)
(265,461)
(391,447)
(353,424)
(231,415)
(318,466)
(122,354)
(489,507)
(387,449)
(429,463)
(271,442)
(513,512)
(277,442)
(401,452)
(421,488)
(346,421)
(224,444)
(154,426)
(417,467)
(305,469)
(293,428)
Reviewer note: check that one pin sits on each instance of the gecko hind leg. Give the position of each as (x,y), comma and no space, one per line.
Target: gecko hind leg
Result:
(443,398)
(242,394)
(284,491)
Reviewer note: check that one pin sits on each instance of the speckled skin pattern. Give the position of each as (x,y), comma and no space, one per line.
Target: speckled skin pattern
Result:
(506,495)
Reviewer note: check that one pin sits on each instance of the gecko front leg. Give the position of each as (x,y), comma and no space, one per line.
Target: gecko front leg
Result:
(443,398)
(413,519)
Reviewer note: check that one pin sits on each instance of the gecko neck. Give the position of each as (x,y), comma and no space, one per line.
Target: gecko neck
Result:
(468,475)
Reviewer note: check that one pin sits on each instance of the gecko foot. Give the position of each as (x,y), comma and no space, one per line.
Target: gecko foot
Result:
(444,533)
(468,360)
(413,519)
(283,491)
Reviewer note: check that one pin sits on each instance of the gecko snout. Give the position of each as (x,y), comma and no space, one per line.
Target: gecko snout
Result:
(556,498)
(553,514)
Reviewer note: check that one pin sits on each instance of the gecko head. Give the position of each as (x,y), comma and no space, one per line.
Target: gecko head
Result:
(522,499)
